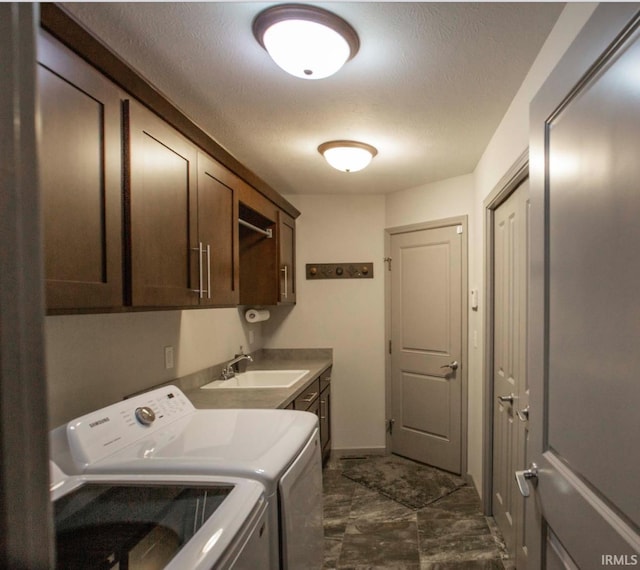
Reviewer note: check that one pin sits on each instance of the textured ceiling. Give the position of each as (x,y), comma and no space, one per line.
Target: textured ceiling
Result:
(428,87)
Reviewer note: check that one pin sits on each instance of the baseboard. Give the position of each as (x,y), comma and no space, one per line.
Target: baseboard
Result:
(338,453)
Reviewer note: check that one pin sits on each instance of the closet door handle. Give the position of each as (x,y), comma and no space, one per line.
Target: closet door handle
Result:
(510,398)
(523,476)
(523,415)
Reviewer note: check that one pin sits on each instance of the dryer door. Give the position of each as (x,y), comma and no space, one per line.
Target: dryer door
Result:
(300,496)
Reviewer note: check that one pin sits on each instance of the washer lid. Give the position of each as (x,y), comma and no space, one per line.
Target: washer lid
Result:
(151,522)
(259,444)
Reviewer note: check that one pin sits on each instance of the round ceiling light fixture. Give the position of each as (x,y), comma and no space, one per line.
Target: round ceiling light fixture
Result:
(347,156)
(305,41)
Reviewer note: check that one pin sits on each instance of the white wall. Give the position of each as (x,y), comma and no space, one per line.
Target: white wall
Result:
(94,360)
(346,315)
(436,201)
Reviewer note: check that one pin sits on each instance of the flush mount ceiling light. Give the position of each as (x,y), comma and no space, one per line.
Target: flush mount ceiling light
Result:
(305,41)
(348,156)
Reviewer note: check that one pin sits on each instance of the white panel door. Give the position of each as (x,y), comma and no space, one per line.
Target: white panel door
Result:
(510,258)
(426,323)
(584,361)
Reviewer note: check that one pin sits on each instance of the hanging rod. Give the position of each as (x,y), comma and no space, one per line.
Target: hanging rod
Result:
(268,232)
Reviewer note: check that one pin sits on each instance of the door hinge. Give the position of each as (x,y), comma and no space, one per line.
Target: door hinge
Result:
(387,260)
(389,347)
(390,423)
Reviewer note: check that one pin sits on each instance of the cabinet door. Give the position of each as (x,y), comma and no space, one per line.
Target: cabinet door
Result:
(325,422)
(162,207)
(287,253)
(217,231)
(80,180)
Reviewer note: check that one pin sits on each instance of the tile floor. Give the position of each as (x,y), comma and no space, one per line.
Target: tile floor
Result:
(365,530)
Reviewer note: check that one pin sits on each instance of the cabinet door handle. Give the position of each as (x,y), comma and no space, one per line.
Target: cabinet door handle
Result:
(285,270)
(200,250)
(311,398)
(208,271)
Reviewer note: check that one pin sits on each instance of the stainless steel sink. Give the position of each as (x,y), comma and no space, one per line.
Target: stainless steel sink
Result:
(259,379)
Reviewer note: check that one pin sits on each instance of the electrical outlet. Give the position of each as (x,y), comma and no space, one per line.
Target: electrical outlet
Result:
(168,357)
(251,337)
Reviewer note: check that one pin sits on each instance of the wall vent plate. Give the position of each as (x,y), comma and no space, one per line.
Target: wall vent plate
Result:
(347,270)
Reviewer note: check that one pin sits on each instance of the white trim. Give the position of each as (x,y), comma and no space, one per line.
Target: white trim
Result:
(25,515)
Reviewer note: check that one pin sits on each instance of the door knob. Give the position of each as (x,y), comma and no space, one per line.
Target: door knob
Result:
(522,476)
(510,398)
(523,415)
(453,365)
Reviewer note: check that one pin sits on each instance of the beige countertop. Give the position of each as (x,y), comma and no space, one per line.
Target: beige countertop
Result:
(316,361)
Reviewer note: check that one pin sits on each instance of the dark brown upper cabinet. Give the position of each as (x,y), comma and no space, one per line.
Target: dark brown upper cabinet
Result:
(80,179)
(267,264)
(218,232)
(287,257)
(158,229)
(162,208)
(183,235)
(258,256)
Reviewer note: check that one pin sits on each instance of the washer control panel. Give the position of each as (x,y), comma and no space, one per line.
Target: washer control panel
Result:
(96,435)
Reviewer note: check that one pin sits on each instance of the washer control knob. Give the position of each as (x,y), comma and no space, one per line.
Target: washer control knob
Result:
(145,415)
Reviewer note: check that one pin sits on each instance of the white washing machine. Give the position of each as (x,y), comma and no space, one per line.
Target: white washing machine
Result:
(160,432)
(149,522)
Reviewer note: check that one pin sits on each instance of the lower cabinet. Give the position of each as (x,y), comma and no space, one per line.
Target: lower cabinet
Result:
(317,400)
(325,414)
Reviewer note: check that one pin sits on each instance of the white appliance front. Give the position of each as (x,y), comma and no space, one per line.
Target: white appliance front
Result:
(159,521)
(259,444)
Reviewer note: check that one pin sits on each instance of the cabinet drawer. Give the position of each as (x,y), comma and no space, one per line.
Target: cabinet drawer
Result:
(306,399)
(325,379)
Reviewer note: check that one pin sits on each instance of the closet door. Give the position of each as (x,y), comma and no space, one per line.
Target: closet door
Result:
(80,179)
(162,211)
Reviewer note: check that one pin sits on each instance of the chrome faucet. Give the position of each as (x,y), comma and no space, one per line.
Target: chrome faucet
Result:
(229,371)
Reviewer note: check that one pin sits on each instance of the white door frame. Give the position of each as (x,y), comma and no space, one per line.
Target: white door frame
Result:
(25,510)
(388,232)
(507,185)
